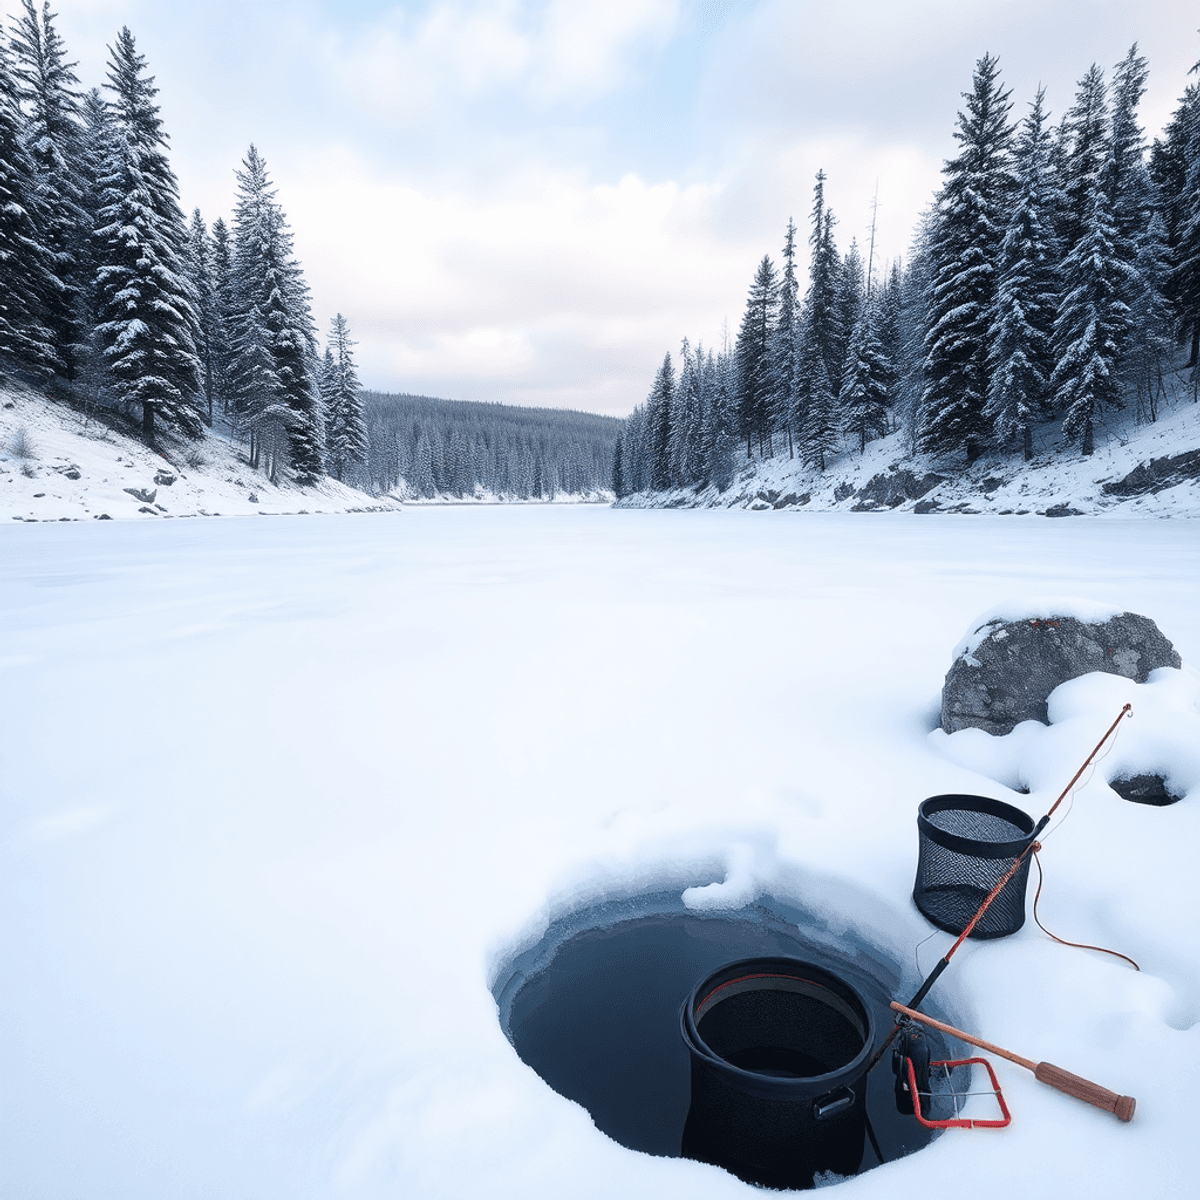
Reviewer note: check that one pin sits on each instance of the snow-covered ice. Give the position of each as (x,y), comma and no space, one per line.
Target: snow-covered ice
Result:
(283,798)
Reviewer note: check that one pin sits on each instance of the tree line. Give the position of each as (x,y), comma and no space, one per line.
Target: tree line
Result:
(112,300)
(1056,276)
(422,447)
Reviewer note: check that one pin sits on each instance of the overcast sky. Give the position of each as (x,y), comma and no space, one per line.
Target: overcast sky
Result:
(532,200)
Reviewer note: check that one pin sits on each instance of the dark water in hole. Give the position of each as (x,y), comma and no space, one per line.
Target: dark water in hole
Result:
(600,1024)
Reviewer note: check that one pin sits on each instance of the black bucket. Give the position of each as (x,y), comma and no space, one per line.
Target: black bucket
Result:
(779,1051)
(966,846)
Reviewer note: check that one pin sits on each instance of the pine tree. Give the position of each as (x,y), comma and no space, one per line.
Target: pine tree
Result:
(1150,342)
(785,348)
(819,435)
(1080,153)
(866,396)
(1179,170)
(271,324)
(46,85)
(1021,356)
(224,356)
(346,432)
(753,355)
(146,324)
(26,267)
(198,261)
(964,251)
(822,314)
(658,422)
(1092,321)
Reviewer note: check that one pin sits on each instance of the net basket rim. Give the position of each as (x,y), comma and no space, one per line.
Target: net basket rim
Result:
(974,847)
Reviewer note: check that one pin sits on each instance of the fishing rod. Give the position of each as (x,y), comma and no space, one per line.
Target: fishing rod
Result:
(1082,1089)
(1032,847)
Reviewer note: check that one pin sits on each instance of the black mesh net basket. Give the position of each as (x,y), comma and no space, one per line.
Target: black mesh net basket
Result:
(967,844)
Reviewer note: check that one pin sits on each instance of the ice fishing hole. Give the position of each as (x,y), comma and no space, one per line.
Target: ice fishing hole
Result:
(595,1009)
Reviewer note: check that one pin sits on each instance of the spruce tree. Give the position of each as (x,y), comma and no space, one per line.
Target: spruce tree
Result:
(964,251)
(753,354)
(822,313)
(1182,208)
(866,395)
(27,271)
(198,260)
(1092,321)
(658,427)
(1080,153)
(785,348)
(346,432)
(46,87)
(274,345)
(146,328)
(1150,343)
(1021,356)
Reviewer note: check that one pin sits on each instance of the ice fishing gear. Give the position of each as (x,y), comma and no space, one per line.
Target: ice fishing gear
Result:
(1121,1107)
(910,1066)
(1020,862)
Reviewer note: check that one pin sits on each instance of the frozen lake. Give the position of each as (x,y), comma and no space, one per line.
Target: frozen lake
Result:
(282,796)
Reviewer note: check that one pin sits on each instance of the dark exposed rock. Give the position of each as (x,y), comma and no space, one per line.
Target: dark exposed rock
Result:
(1015,665)
(1156,475)
(893,488)
(164,478)
(990,484)
(145,495)
(790,499)
(926,506)
(103,517)
(1062,510)
(843,491)
(1144,789)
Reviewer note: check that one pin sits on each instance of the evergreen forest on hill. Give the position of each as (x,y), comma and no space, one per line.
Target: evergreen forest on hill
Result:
(421,447)
(1055,277)
(116,304)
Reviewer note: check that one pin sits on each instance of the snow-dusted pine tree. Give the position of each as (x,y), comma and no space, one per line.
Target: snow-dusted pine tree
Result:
(785,348)
(46,86)
(198,260)
(753,355)
(1081,148)
(27,272)
(1092,321)
(964,251)
(658,422)
(822,313)
(345,430)
(271,324)
(1021,355)
(866,380)
(146,324)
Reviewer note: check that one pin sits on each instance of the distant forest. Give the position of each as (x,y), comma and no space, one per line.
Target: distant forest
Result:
(1055,277)
(421,447)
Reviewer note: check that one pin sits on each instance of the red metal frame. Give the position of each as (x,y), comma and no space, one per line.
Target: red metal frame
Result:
(961,1122)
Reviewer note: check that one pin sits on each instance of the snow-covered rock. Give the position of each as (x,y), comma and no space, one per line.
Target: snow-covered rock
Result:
(1005,670)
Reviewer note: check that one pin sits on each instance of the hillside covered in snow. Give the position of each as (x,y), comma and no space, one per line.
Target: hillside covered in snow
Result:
(60,464)
(1136,470)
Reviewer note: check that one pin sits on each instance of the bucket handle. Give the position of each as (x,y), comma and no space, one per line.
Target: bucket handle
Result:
(833,1104)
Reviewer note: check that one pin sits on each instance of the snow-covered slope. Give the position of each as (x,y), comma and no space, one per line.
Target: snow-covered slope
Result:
(1058,482)
(60,465)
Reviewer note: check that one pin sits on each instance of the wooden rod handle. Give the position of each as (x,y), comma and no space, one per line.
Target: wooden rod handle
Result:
(1083,1089)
